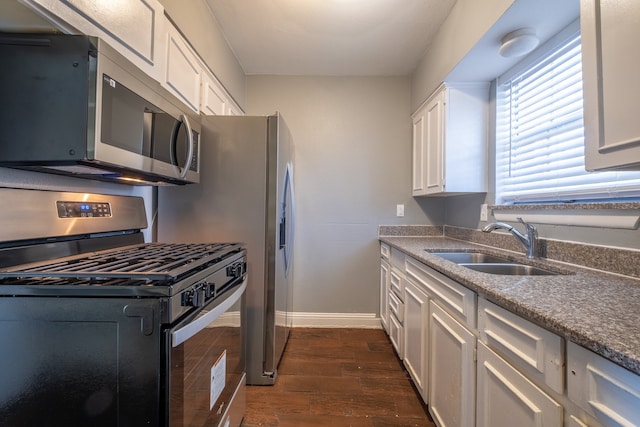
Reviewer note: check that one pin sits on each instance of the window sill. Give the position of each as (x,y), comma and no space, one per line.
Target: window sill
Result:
(606,215)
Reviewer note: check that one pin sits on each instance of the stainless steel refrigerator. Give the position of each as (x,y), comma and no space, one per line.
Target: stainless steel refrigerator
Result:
(245,195)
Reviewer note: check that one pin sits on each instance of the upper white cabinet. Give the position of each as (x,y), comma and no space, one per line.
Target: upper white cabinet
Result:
(183,72)
(610,33)
(214,99)
(450,141)
(131,26)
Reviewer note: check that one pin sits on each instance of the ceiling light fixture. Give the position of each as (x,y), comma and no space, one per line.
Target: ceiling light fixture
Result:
(518,43)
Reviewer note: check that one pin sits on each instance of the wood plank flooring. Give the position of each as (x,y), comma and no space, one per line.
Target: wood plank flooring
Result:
(336,378)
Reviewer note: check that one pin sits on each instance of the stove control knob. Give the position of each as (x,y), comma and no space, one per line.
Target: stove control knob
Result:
(193,298)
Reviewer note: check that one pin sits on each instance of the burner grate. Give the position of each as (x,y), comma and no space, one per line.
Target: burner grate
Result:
(146,262)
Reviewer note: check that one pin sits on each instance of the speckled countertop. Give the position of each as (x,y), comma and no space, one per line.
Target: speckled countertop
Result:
(596,310)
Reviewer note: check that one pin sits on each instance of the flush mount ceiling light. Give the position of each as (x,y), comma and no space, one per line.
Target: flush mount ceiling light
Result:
(518,43)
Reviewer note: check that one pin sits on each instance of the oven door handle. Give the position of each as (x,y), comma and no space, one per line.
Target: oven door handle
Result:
(199,323)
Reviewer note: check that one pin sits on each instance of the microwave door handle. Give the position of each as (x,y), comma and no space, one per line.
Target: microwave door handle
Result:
(187,165)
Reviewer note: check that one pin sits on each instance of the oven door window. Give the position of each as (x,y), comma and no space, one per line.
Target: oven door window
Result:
(208,366)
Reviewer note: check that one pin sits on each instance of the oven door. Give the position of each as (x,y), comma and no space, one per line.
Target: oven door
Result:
(206,366)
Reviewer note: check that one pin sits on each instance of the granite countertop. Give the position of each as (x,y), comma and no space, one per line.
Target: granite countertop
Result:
(594,309)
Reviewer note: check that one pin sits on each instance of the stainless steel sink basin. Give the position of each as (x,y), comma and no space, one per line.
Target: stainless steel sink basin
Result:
(510,269)
(486,263)
(470,257)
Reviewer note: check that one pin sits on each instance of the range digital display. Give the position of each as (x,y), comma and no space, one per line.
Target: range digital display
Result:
(83,209)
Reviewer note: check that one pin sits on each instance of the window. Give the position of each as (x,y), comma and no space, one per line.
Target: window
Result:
(540,134)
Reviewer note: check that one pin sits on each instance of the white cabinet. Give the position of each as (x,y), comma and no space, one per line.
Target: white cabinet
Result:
(506,398)
(416,335)
(440,318)
(450,141)
(458,300)
(214,99)
(183,71)
(133,27)
(452,378)
(610,33)
(396,312)
(606,391)
(535,351)
(384,294)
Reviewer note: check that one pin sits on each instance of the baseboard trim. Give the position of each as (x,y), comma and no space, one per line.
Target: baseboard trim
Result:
(336,320)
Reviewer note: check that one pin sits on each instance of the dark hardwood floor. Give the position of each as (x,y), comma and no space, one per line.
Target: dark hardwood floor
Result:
(337,377)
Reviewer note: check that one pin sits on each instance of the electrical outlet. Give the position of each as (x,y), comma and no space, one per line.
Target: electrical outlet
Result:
(484,212)
(399,210)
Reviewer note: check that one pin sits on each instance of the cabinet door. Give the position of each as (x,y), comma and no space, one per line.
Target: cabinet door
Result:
(213,100)
(133,27)
(428,127)
(418,153)
(384,294)
(434,143)
(610,32)
(396,334)
(452,370)
(416,330)
(608,392)
(506,398)
(183,70)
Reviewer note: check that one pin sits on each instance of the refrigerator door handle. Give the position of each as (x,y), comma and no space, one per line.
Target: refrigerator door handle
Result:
(283,232)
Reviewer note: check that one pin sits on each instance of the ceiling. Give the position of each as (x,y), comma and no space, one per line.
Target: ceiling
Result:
(330,37)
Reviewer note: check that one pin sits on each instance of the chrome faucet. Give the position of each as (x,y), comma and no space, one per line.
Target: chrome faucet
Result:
(529,242)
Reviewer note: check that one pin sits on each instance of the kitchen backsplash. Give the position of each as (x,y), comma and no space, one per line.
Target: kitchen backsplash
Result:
(613,260)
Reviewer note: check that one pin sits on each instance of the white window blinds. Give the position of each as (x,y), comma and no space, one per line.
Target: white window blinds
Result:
(540,135)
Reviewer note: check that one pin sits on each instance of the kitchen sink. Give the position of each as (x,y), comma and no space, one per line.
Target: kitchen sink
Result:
(510,269)
(470,257)
(486,263)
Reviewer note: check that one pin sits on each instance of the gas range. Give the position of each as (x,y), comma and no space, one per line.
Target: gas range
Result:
(94,312)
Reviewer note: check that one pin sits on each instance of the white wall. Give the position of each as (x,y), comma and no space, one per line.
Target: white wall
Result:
(352,139)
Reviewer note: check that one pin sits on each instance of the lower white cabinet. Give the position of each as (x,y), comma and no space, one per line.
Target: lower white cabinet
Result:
(506,398)
(416,335)
(606,391)
(396,310)
(533,350)
(384,294)
(452,370)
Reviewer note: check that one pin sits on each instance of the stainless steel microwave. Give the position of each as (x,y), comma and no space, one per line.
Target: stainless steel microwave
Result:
(73,105)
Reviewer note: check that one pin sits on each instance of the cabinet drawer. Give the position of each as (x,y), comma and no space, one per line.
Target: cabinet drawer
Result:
(385,251)
(396,306)
(396,335)
(397,259)
(456,299)
(605,390)
(396,283)
(532,349)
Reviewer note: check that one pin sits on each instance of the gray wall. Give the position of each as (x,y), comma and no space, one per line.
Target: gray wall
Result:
(468,21)
(352,140)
